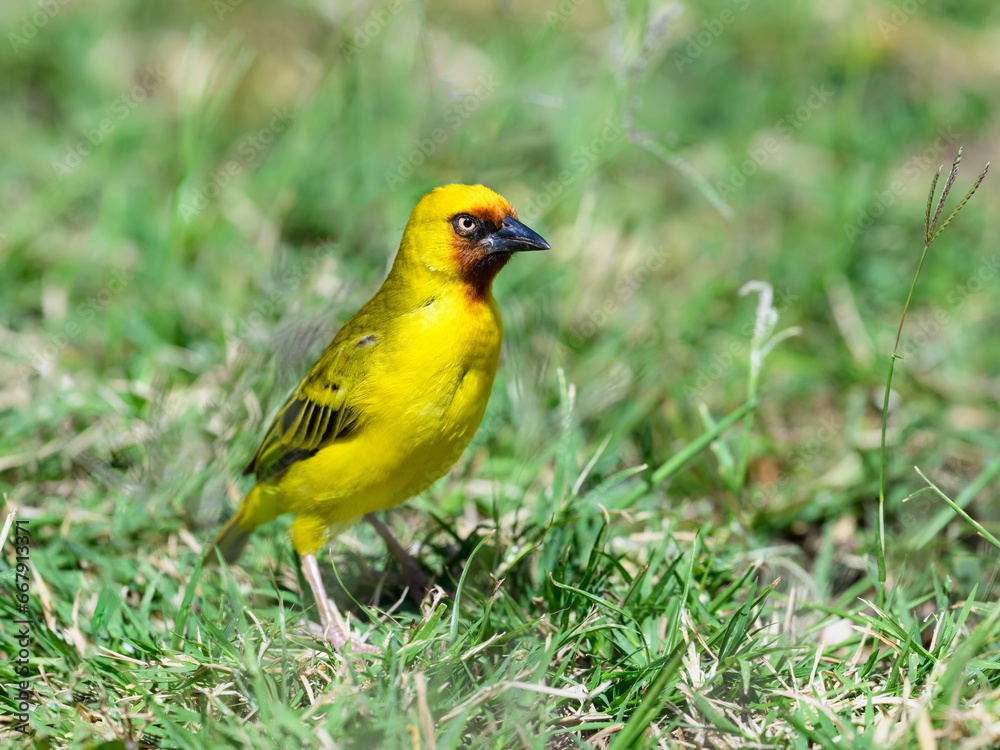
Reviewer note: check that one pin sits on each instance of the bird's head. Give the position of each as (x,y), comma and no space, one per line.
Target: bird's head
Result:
(467,232)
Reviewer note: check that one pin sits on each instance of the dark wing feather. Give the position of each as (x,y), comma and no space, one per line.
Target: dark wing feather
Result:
(318,412)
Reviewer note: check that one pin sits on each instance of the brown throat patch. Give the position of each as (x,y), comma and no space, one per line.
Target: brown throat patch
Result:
(479,273)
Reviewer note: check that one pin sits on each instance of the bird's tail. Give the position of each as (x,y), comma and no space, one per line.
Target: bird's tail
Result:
(234,535)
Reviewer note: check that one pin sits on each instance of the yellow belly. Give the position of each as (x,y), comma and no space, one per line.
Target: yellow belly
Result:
(424,400)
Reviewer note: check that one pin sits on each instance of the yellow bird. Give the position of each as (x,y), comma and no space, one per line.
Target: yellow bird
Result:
(398,394)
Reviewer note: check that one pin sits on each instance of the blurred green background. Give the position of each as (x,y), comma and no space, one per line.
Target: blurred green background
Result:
(195,195)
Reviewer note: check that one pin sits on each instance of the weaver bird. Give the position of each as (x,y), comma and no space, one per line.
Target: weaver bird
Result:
(398,394)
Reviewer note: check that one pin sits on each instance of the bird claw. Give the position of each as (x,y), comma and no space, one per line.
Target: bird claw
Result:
(335,636)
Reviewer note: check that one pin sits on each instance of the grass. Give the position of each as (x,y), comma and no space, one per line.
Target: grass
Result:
(660,536)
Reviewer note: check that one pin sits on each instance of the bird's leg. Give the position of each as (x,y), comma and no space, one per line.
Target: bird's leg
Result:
(333,632)
(413,574)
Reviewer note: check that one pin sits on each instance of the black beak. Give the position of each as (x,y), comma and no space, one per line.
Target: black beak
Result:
(512,237)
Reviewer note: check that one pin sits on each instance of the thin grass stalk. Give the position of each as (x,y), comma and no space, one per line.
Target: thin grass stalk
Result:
(931,232)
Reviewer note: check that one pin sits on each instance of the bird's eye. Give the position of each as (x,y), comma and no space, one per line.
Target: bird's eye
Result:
(465,224)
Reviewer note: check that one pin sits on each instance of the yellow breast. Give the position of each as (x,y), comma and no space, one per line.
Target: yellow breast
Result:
(424,397)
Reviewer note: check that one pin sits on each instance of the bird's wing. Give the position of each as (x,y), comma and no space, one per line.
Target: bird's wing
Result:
(323,408)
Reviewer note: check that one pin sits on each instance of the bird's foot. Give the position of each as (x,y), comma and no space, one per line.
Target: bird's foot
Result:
(331,631)
(413,576)
(335,636)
